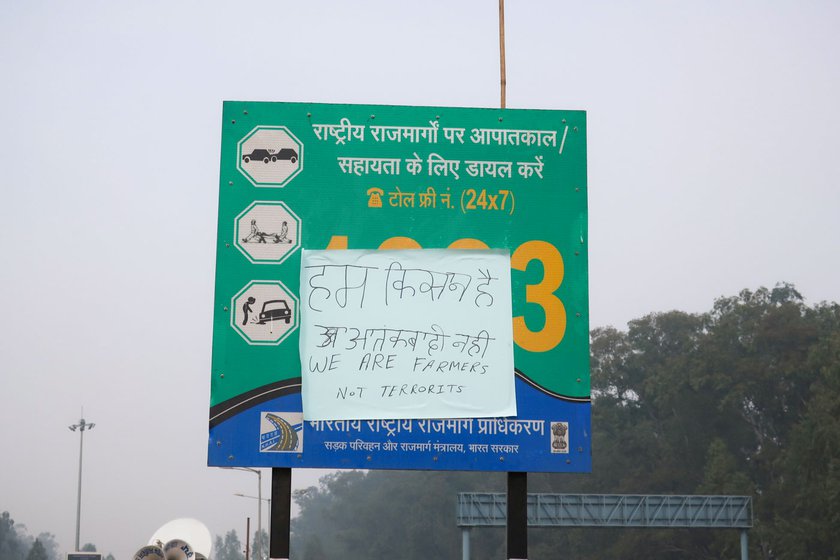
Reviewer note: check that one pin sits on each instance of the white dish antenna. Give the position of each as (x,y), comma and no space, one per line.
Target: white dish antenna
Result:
(186,529)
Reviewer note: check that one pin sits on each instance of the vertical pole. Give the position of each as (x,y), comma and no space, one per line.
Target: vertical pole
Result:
(517,515)
(281,513)
(465,543)
(247,538)
(517,483)
(259,548)
(745,545)
(502,51)
(79,494)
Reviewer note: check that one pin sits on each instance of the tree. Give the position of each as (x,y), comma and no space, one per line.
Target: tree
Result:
(11,547)
(811,487)
(314,549)
(228,548)
(388,514)
(37,552)
(88,547)
(50,545)
(260,544)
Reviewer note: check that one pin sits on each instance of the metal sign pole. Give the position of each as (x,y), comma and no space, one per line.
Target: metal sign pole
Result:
(517,482)
(517,516)
(281,513)
(745,545)
(502,51)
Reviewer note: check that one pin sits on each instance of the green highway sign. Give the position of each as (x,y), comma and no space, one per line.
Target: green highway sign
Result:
(310,176)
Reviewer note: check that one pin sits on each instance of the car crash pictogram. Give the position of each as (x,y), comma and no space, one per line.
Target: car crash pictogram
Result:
(264,312)
(269,156)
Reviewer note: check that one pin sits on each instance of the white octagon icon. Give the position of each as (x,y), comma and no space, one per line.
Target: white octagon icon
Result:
(264,312)
(267,232)
(269,156)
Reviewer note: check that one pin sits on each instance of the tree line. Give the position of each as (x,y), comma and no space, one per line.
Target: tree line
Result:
(17,544)
(229,547)
(742,399)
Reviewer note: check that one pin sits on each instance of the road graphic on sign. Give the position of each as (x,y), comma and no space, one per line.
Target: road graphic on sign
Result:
(281,431)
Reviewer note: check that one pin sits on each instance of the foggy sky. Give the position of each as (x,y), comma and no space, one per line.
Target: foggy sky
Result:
(712,142)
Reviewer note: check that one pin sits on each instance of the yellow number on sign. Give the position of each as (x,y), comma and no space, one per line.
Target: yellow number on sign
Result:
(337,242)
(399,243)
(543,295)
(468,243)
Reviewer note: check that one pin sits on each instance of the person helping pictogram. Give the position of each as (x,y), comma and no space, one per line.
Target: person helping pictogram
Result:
(284,232)
(257,236)
(254,235)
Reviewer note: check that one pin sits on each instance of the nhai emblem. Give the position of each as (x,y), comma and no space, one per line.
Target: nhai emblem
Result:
(281,432)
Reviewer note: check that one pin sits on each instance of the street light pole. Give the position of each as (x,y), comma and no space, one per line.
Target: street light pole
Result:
(258,548)
(81,426)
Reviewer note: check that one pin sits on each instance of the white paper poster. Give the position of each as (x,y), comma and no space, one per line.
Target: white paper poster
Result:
(406,334)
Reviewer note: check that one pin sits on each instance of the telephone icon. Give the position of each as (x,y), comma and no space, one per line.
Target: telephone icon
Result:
(375,197)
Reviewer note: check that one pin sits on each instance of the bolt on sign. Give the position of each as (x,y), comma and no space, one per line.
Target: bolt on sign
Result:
(383,181)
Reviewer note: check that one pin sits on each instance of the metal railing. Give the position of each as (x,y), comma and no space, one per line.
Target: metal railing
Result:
(610,510)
